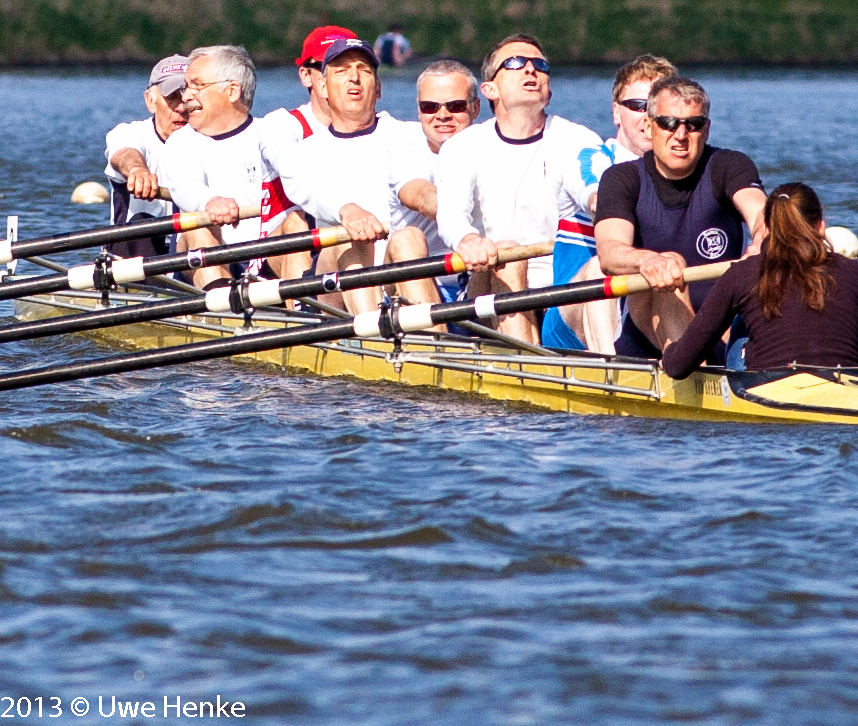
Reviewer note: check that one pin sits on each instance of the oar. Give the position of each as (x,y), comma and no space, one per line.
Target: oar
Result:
(180,222)
(242,297)
(385,322)
(136,269)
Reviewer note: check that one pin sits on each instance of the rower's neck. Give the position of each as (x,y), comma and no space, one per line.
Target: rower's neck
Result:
(350,125)
(321,109)
(225,123)
(520,123)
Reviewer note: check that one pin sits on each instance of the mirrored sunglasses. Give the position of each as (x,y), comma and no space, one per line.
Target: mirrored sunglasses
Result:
(671,123)
(638,105)
(432,107)
(517,62)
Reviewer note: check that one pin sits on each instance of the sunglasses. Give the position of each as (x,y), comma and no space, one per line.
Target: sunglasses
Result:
(432,107)
(638,105)
(671,123)
(517,62)
(313,64)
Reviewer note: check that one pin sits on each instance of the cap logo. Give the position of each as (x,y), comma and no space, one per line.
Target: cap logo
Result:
(174,68)
(354,41)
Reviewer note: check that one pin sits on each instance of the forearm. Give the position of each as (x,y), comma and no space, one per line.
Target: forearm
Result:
(421,196)
(126,161)
(619,258)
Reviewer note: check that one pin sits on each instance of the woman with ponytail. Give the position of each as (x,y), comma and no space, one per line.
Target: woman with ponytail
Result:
(799,300)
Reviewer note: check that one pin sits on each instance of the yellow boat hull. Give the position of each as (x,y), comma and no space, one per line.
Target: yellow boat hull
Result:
(579,384)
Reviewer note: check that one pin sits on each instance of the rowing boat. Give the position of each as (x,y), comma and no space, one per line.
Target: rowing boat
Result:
(579,382)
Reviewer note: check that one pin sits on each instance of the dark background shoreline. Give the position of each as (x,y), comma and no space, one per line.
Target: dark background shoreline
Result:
(597,33)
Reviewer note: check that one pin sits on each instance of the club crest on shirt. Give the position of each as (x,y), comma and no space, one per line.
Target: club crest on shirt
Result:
(250,170)
(712,243)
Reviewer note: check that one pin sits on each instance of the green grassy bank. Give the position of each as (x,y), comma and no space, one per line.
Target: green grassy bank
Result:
(574,31)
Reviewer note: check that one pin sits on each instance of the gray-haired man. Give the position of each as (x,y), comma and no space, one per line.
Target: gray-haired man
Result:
(214,162)
(135,153)
(447,103)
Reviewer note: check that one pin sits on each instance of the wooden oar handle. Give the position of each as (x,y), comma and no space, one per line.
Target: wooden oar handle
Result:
(164,194)
(508,254)
(525,252)
(630,284)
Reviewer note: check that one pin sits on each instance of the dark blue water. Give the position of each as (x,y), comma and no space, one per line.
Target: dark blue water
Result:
(336,552)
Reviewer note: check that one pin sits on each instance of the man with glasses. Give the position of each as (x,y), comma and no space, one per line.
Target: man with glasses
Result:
(213,164)
(499,182)
(279,131)
(447,103)
(593,325)
(683,203)
(135,153)
(341,176)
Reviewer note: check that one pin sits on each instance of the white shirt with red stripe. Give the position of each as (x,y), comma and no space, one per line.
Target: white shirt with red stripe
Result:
(199,167)
(508,189)
(582,179)
(279,132)
(331,169)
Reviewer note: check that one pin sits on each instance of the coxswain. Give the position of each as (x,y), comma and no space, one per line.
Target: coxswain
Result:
(341,177)
(594,325)
(447,103)
(683,203)
(213,163)
(135,153)
(285,129)
(798,298)
(499,182)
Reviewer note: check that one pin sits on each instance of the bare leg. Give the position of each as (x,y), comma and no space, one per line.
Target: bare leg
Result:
(410,244)
(199,239)
(661,316)
(291,267)
(352,256)
(512,278)
(594,323)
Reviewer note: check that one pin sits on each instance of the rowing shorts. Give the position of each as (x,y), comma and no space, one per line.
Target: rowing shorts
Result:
(556,334)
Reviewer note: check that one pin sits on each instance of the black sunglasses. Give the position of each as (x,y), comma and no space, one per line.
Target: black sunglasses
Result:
(638,105)
(312,64)
(430,107)
(671,123)
(517,62)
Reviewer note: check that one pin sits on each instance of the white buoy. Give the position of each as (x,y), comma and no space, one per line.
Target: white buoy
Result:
(843,241)
(90,193)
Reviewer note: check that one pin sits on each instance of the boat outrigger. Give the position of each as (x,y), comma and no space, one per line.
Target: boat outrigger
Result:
(580,383)
(389,345)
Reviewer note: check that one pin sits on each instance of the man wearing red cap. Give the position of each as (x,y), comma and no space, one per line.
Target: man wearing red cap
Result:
(341,176)
(281,129)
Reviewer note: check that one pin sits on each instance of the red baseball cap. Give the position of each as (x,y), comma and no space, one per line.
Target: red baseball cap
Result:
(319,40)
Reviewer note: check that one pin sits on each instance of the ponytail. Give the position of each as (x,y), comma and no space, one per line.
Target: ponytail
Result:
(795,251)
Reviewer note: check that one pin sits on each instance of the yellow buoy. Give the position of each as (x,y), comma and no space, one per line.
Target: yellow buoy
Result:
(843,241)
(90,193)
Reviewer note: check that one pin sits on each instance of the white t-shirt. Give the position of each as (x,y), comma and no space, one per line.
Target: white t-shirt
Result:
(199,167)
(509,189)
(416,161)
(329,170)
(581,180)
(142,136)
(279,132)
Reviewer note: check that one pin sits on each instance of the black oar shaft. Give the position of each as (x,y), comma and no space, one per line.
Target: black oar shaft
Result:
(142,267)
(107,318)
(190,353)
(287,290)
(180,222)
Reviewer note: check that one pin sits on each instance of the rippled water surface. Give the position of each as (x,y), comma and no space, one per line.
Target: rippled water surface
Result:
(335,552)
